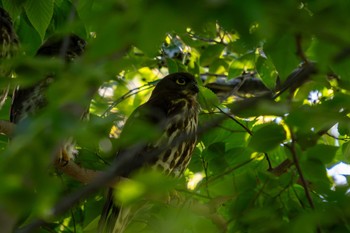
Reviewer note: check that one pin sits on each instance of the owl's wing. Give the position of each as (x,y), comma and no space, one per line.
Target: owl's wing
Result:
(155,127)
(143,126)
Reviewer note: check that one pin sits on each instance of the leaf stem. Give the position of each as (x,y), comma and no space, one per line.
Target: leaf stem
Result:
(301,175)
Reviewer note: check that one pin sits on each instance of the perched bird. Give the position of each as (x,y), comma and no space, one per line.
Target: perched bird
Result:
(8,36)
(172,112)
(27,101)
(8,48)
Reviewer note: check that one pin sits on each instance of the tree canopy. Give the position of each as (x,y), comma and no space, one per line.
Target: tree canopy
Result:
(274,81)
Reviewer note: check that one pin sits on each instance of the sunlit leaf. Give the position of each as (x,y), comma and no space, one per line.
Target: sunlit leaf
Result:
(210,54)
(129,191)
(207,99)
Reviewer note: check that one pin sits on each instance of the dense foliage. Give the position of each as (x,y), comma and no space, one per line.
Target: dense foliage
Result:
(274,79)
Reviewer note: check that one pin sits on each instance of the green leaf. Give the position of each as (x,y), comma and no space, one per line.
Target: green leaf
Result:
(210,53)
(238,156)
(218,66)
(144,183)
(342,68)
(207,99)
(223,186)
(315,172)
(172,65)
(28,35)
(161,17)
(323,153)
(282,52)
(317,117)
(62,20)
(324,52)
(267,138)
(84,8)
(215,156)
(266,71)
(13,7)
(129,191)
(234,71)
(39,13)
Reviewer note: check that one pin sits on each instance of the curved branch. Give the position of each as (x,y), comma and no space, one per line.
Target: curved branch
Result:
(83,175)
(282,167)
(125,163)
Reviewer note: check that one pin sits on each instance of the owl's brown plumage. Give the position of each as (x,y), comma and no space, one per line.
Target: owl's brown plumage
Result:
(8,48)
(8,37)
(172,112)
(26,101)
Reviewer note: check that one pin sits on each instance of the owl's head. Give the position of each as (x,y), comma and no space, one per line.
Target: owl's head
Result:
(71,45)
(180,83)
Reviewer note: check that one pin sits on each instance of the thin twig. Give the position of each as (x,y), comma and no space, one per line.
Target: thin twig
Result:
(338,138)
(210,40)
(236,121)
(229,171)
(128,160)
(205,167)
(268,161)
(300,172)
(248,131)
(296,78)
(127,95)
(213,74)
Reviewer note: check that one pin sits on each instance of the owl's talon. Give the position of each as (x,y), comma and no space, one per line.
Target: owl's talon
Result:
(64,163)
(63,158)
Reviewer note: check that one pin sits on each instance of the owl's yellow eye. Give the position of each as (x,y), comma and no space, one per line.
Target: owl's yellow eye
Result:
(181,81)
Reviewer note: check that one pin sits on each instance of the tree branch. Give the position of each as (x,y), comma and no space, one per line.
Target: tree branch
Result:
(297,78)
(128,161)
(71,169)
(83,175)
(236,121)
(282,167)
(97,180)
